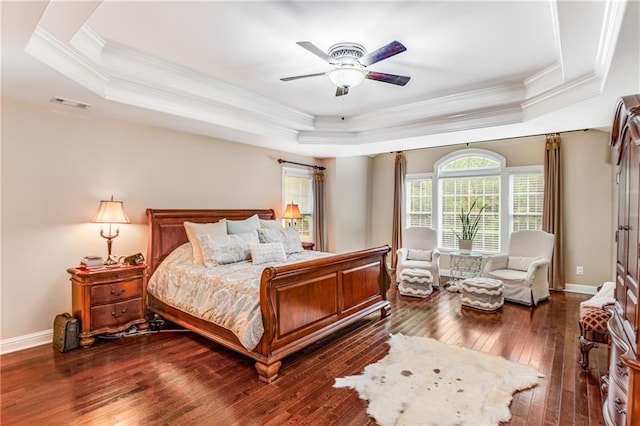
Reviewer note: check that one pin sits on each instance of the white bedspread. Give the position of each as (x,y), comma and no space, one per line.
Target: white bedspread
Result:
(227,295)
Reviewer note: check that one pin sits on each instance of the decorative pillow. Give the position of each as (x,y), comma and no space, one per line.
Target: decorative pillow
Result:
(272,224)
(288,237)
(267,252)
(242,226)
(415,254)
(224,249)
(192,229)
(520,263)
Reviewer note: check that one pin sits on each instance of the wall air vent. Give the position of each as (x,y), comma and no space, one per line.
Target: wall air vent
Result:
(69,102)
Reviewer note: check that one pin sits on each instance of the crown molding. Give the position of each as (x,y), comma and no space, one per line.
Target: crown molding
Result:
(543,81)
(485,99)
(89,43)
(194,108)
(504,114)
(125,64)
(563,95)
(49,50)
(121,74)
(612,23)
(148,84)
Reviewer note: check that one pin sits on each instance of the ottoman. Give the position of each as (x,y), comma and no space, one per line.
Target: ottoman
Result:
(482,293)
(593,330)
(415,282)
(593,319)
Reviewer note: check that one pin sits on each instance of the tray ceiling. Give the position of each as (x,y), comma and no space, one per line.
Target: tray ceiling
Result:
(479,70)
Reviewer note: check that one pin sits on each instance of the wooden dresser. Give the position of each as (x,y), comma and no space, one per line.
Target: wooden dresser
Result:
(622,385)
(108,300)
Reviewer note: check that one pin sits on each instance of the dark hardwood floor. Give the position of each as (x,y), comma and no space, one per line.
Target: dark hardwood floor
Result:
(181,378)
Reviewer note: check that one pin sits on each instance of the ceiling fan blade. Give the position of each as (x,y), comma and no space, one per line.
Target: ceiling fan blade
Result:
(400,80)
(342,91)
(315,50)
(384,52)
(297,77)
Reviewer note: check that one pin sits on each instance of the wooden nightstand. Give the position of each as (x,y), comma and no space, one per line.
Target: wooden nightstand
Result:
(308,245)
(108,300)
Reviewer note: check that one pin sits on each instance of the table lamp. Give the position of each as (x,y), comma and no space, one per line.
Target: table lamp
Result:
(110,212)
(292,212)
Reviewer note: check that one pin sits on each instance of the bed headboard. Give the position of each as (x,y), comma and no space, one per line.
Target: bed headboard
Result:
(166,230)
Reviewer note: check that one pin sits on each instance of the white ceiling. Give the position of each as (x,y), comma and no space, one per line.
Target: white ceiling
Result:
(479,70)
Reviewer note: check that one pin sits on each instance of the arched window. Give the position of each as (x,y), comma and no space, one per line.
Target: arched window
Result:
(466,179)
(512,195)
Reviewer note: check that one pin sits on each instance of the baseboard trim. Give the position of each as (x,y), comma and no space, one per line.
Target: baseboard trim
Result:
(25,342)
(580,288)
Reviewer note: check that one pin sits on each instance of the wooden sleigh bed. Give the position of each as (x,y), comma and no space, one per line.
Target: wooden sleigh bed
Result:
(301,303)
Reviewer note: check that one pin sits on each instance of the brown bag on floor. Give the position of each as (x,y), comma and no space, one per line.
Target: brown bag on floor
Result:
(66,331)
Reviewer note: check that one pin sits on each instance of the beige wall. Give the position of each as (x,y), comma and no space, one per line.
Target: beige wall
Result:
(56,166)
(349,199)
(58,163)
(588,200)
(588,195)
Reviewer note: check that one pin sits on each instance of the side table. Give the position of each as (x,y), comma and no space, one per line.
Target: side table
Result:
(108,300)
(464,265)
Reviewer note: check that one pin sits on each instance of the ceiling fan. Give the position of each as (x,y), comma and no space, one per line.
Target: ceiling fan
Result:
(350,64)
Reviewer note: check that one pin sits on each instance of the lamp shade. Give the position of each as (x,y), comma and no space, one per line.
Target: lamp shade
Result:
(347,76)
(110,211)
(292,212)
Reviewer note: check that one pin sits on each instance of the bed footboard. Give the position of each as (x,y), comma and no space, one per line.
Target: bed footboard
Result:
(302,303)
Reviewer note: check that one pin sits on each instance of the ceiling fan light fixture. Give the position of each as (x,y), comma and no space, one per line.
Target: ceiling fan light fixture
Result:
(347,76)
(350,64)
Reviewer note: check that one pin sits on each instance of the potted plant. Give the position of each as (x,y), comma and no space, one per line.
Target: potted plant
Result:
(469,226)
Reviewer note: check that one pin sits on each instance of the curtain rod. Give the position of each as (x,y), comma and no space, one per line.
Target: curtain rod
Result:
(313,166)
(492,140)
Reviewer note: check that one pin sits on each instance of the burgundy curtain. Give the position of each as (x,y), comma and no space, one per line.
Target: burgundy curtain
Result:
(398,198)
(552,208)
(318,210)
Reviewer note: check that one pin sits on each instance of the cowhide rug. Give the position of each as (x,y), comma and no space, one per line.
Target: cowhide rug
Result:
(424,382)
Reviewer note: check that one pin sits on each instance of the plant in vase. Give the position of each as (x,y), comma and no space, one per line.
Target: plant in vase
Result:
(469,226)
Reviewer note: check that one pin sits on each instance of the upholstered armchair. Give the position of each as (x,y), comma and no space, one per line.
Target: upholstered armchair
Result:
(524,268)
(419,251)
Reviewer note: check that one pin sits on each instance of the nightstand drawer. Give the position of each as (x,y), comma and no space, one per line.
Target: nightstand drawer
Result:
(116,313)
(108,293)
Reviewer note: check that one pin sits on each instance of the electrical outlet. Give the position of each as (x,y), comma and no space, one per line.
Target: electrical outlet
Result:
(579,270)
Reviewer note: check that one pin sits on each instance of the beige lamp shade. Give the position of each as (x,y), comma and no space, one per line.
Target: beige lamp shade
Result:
(292,212)
(110,211)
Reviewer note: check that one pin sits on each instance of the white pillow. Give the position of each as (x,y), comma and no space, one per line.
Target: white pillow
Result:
(520,263)
(272,224)
(224,249)
(241,226)
(192,229)
(267,252)
(288,237)
(415,254)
